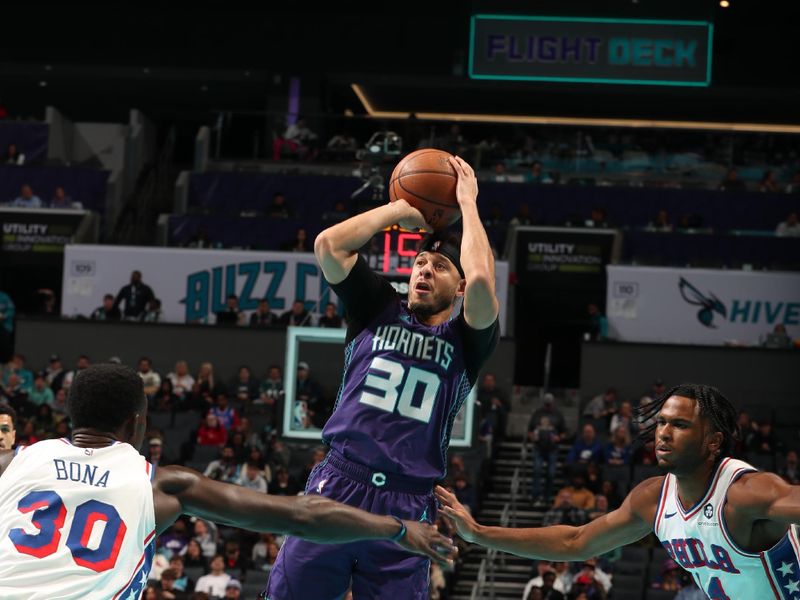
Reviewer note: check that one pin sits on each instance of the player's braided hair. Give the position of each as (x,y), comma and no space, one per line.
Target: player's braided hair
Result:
(713,405)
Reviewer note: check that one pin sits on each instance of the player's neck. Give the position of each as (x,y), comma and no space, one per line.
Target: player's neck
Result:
(92,438)
(693,486)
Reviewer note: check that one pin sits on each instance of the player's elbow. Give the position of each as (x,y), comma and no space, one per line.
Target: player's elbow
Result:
(577,545)
(323,246)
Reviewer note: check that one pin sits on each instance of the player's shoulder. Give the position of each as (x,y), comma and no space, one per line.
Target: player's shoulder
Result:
(756,489)
(646,495)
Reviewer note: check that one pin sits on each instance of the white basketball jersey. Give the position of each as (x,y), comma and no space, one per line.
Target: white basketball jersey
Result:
(699,541)
(75,523)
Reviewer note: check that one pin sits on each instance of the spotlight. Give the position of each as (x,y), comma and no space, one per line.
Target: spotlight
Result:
(724,3)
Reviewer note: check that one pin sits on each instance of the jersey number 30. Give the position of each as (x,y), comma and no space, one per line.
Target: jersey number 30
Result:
(392,376)
(49,514)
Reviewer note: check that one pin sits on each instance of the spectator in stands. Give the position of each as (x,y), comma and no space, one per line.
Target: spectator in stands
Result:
(251,478)
(54,372)
(609,490)
(225,468)
(764,442)
(200,239)
(153,313)
(271,395)
(165,399)
(669,580)
(296,316)
(545,429)
(342,144)
(317,456)
(150,379)
(16,367)
(768,183)
(205,378)
(27,436)
(618,451)
(231,315)
(788,228)
(338,214)
(598,323)
(60,199)
(8,427)
(597,581)
(732,183)
(690,591)
(194,557)
(329,318)
(564,511)
(299,243)
(245,387)
(661,222)
(284,485)
(263,316)
(494,406)
(537,175)
(791,468)
(227,415)
(60,405)
(279,209)
(499,171)
(215,582)
(586,449)
(13,155)
(211,432)
(182,381)
(454,141)
(206,536)
(299,139)
(580,496)
(44,422)
(600,507)
(465,492)
(177,564)
(625,418)
(135,295)
(602,406)
(83,363)
(777,338)
(108,311)
(41,394)
(175,539)
(544,568)
(309,391)
(155,453)
(26,198)
(167,589)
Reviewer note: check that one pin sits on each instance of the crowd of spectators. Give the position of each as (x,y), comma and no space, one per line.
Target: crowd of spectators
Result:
(27,198)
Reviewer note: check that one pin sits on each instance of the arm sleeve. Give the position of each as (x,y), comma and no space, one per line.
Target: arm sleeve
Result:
(478,345)
(364,294)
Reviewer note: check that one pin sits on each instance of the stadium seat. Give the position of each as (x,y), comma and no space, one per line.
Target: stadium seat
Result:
(629,582)
(619,474)
(642,472)
(653,594)
(205,454)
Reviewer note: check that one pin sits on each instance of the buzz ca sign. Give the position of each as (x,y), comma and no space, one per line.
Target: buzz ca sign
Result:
(700,306)
(590,50)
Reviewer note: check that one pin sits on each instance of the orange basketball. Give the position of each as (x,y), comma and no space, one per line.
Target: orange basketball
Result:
(427,181)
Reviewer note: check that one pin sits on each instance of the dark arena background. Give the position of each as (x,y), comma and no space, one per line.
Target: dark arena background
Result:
(639,173)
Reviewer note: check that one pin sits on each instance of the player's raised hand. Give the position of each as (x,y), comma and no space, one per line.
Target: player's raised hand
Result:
(411,217)
(467,186)
(453,509)
(425,539)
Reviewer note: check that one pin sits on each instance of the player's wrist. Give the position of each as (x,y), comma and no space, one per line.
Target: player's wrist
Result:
(401,533)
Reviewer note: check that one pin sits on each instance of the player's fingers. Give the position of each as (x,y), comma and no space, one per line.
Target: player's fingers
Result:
(443,493)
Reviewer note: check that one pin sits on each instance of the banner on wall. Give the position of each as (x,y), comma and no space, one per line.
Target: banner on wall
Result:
(193,284)
(700,306)
(37,237)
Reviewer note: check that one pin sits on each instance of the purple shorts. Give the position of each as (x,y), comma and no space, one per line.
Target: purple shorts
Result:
(376,569)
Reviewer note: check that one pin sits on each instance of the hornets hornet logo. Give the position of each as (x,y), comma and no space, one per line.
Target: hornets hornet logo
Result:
(708,511)
(709,305)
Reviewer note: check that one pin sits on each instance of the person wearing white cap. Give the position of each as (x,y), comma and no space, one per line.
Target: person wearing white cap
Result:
(233,590)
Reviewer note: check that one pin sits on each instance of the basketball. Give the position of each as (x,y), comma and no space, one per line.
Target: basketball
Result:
(427,181)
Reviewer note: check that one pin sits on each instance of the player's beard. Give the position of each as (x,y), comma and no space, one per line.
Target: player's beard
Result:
(425,310)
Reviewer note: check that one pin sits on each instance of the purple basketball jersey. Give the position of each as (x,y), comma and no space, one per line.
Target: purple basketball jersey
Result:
(403,384)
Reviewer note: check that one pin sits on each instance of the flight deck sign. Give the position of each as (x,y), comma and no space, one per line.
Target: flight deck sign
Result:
(590,50)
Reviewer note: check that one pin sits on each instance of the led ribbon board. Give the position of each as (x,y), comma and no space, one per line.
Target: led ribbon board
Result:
(590,50)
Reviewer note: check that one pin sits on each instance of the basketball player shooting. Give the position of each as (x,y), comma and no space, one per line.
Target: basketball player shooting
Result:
(731,527)
(80,516)
(408,369)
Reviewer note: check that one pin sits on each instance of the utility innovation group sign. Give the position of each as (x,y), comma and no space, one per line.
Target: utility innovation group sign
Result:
(590,50)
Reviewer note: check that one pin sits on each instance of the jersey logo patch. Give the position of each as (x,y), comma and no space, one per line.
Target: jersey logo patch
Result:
(670,515)
(708,511)
(320,485)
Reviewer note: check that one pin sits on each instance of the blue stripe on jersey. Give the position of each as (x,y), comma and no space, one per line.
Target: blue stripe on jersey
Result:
(785,568)
(464,388)
(139,579)
(348,355)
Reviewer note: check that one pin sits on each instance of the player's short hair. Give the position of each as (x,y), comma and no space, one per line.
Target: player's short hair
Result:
(713,404)
(5,409)
(104,396)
